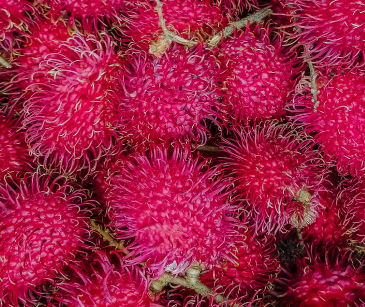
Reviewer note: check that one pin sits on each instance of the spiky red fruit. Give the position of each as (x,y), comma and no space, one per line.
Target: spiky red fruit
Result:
(14,153)
(255,265)
(13,18)
(353,196)
(258,75)
(90,12)
(47,38)
(104,283)
(334,32)
(41,229)
(325,282)
(170,97)
(276,174)
(71,117)
(332,226)
(175,209)
(190,19)
(338,124)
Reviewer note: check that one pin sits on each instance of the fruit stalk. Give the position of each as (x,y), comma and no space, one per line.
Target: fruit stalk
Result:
(313,85)
(4,63)
(254,18)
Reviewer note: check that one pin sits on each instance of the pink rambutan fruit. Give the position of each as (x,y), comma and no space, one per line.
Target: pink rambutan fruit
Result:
(333,33)
(254,266)
(337,125)
(43,226)
(71,116)
(14,152)
(89,12)
(259,74)
(13,18)
(352,194)
(332,226)
(170,97)
(175,208)
(46,38)
(106,283)
(194,19)
(334,280)
(276,175)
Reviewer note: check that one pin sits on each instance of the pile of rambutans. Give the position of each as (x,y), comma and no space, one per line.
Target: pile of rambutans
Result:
(182,153)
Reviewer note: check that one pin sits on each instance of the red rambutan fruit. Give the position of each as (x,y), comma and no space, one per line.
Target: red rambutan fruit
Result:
(353,196)
(255,266)
(258,77)
(46,38)
(71,116)
(338,123)
(42,228)
(14,153)
(105,283)
(331,228)
(332,281)
(276,174)
(176,209)
(89,12)
(190,19)
(334,32)
(169,98)
(13,18)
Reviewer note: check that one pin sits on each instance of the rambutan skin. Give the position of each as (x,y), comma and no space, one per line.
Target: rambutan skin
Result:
(258,76)
(46,38)
(338,123)
(13,19)
(176,210)
(170,97)
(332,281)
(190,19)
(105,283)
(14,153)
(333,225)
(42,227)
(72,115)
(254,266)
(275,174)
(335,33)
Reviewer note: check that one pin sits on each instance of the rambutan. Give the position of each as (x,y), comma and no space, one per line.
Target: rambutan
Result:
(46,38)
(42,228)
(276,174)
(170,97)
(254,267)
(14,153)
(353,196)
(258,76)
(332,227)
(338,123)
(175,209)
(106,283)
(194,19)
(333,33)
(13,18)
(71,116)
(89,12)
(332,281)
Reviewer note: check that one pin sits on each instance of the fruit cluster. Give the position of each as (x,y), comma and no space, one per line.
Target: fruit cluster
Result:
(182,153)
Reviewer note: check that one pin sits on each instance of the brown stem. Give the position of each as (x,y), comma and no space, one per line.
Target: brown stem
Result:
(107,237)
(170,35)
(197,286)
(4,63)
(207,148)
(254,18)
(313,85)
